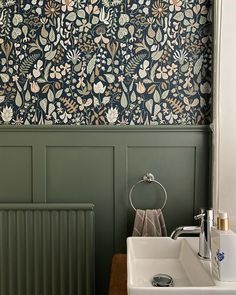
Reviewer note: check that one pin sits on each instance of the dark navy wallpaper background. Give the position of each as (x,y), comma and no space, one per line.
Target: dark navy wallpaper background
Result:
(105,62)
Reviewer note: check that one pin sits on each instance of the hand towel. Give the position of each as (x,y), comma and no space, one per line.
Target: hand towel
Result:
(149,223)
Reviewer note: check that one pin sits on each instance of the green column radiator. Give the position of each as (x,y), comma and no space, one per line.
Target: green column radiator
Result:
(46,249)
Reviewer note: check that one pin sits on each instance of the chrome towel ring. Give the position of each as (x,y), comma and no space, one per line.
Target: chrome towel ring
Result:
(147,178)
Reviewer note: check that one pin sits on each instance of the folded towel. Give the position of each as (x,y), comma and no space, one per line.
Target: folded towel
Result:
(149,223)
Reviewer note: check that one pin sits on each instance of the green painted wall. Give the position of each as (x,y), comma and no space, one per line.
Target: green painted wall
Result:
(99,165)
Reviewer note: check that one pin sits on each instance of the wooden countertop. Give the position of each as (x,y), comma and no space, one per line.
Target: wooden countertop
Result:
(118,278)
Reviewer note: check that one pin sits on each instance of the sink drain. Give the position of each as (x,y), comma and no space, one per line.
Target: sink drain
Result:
(162,280)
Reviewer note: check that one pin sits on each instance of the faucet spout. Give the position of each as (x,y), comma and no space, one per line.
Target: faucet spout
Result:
(185,230)
(204,231)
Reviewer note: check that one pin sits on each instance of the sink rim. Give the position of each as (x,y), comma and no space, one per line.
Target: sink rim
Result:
(220,288)
(181,241)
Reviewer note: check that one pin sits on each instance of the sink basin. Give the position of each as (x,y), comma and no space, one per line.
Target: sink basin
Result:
(148,256)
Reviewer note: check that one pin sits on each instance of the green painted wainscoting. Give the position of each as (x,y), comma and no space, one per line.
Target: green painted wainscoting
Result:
(60,164)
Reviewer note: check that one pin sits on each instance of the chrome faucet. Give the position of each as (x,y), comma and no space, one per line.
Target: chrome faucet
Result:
(204,230)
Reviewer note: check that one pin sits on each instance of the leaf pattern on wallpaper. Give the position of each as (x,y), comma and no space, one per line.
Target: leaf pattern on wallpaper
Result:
(27,63)
(134,62)
(105,62)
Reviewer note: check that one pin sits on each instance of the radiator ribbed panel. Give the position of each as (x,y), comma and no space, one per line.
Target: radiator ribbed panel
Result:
(46,249)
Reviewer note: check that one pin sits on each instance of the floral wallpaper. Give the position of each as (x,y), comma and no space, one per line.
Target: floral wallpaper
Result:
(105,62)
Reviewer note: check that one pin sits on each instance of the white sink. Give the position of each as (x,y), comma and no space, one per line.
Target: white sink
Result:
(148,256)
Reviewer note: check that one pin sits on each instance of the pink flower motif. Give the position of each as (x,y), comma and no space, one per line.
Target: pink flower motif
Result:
(34,87)
(140,87)
(67,5)
(175,5)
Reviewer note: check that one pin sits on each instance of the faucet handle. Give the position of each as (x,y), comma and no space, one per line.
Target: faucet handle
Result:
(199,216)
(206,214)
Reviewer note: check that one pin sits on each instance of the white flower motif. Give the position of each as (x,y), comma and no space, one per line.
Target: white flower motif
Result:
(17,19)
(7,114)
(189,104)
(181,56)
(84,103)
(65,117)
(10,2)
(99,88)
(122,32)
(143,69)
(124,18)
(74,55)
(103,17)
(171,117)
(112,115)
(38,68)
